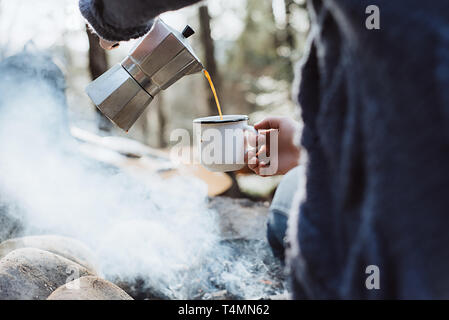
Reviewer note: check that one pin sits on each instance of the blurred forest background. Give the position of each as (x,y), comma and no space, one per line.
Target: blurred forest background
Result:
(250,48)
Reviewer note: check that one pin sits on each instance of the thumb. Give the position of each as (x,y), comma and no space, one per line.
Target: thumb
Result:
(268,123)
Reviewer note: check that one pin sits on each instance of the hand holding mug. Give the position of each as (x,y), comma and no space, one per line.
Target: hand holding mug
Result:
(283,132)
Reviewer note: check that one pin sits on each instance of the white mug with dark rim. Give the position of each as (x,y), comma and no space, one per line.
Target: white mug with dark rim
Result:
(221,143)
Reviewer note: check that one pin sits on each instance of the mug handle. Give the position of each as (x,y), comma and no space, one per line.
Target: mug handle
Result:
(254,131)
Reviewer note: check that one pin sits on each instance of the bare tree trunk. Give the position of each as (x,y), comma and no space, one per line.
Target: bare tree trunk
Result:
(290,38)
(161,121)
(289,34)
(209,55)
(98,64)
(276,38)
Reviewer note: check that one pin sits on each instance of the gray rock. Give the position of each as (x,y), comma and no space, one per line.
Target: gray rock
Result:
(33,274)
(241,218)
(89,288)
(66,247)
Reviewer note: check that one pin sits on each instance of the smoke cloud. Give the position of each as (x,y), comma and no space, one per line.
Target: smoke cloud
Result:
(160,231)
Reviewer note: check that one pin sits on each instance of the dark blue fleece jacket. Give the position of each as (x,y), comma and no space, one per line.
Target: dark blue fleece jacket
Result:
(375,104)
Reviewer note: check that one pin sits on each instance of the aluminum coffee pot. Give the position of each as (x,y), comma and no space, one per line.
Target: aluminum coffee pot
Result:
(161,58)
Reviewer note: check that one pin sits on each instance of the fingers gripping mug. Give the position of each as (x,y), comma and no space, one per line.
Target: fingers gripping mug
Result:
(221,143)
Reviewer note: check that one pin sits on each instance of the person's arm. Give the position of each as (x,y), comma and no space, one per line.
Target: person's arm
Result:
(118,20)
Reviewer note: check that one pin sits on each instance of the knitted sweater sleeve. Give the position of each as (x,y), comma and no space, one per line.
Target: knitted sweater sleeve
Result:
(118,20)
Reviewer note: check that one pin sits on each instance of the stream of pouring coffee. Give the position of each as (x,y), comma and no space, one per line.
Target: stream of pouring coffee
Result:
(207,75)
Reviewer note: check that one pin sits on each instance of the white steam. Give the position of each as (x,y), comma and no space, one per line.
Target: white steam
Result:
(161,232)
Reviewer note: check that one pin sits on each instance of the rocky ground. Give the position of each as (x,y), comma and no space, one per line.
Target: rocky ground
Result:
(53,267)
(60,268)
